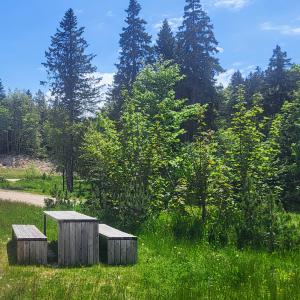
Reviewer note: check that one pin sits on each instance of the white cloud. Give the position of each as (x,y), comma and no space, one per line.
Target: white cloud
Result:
(232,4)
(173,22)
(283,29)
(225,77)
(79,11)
(220,49)
(106,82)
(110,14)
(107,78)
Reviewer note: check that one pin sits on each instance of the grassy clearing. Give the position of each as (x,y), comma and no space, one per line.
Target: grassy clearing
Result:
(31,180)
(14,173)
(50,186)
(166,269)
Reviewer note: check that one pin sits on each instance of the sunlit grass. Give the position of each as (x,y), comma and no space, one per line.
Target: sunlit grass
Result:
(13,173)
(167,269)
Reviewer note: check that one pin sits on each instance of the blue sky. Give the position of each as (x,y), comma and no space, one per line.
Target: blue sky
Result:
(247,31)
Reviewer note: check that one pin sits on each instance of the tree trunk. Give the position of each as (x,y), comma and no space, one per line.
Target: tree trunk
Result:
(70,174)
(204,212)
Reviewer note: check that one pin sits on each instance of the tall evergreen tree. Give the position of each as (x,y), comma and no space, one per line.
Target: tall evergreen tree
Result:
(73,85)
(2,91)
(279,82)
(254,84)
(165,43)
(136,51)
(197,46)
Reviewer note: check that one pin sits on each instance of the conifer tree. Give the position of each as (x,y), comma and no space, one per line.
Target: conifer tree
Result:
(73,84)
(254,84)
(2,91)
(279,82)
(197,46)
(136,52)
(165,44)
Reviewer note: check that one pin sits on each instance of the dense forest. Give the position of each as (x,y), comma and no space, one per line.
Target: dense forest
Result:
(222,162)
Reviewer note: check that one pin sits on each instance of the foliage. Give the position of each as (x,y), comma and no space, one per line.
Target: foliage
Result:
(196,50)
(2,91)
(74,87)
(19,125)
(136,52)
(165,43)
(143,158)
(290,151)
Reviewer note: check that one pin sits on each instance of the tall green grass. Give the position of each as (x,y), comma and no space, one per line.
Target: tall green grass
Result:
(167,269)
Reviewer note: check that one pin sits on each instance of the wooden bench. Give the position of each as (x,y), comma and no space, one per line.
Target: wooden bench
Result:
(31,245)
(117,247)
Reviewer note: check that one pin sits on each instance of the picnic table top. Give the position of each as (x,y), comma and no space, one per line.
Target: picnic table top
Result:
(112,233)
(74,216)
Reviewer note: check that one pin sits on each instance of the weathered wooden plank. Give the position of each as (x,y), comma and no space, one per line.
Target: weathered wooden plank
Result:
(66,237)
(123,252)
(117,252)
(32,255)
(84,242)
(131,251)
(61,245)
(68,216)
(26,252)
(78,245)
(112,233)
(27,232)
(110,252)
(90,242)
(20,251)
(72,243)
(96,243)
(38,256)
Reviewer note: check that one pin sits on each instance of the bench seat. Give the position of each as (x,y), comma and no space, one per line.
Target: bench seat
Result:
(117,247)
(31,245)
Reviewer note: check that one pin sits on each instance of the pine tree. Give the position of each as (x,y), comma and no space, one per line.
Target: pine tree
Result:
(72,83)
(165,44)
(254,84)
(279,83)
(136,51)
(197,46)
(2,91)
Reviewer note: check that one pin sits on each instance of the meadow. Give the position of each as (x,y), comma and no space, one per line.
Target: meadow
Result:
(168,268)
(34,181)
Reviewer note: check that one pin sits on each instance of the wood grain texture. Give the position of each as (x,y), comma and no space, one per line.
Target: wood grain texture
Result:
(31,245)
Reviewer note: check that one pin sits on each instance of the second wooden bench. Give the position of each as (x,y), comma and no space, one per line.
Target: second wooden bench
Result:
(117,247)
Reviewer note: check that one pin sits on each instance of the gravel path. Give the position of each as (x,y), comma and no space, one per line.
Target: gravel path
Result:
(29,198)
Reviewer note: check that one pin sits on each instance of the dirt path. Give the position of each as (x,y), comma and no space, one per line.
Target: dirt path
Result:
(29,198)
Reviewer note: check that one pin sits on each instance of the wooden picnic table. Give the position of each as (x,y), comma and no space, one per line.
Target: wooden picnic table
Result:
(78,237)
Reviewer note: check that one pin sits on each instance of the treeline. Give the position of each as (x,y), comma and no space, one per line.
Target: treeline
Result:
(223,163)
(22,123)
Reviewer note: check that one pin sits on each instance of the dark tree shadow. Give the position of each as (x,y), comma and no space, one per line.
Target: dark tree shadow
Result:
(11,249)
